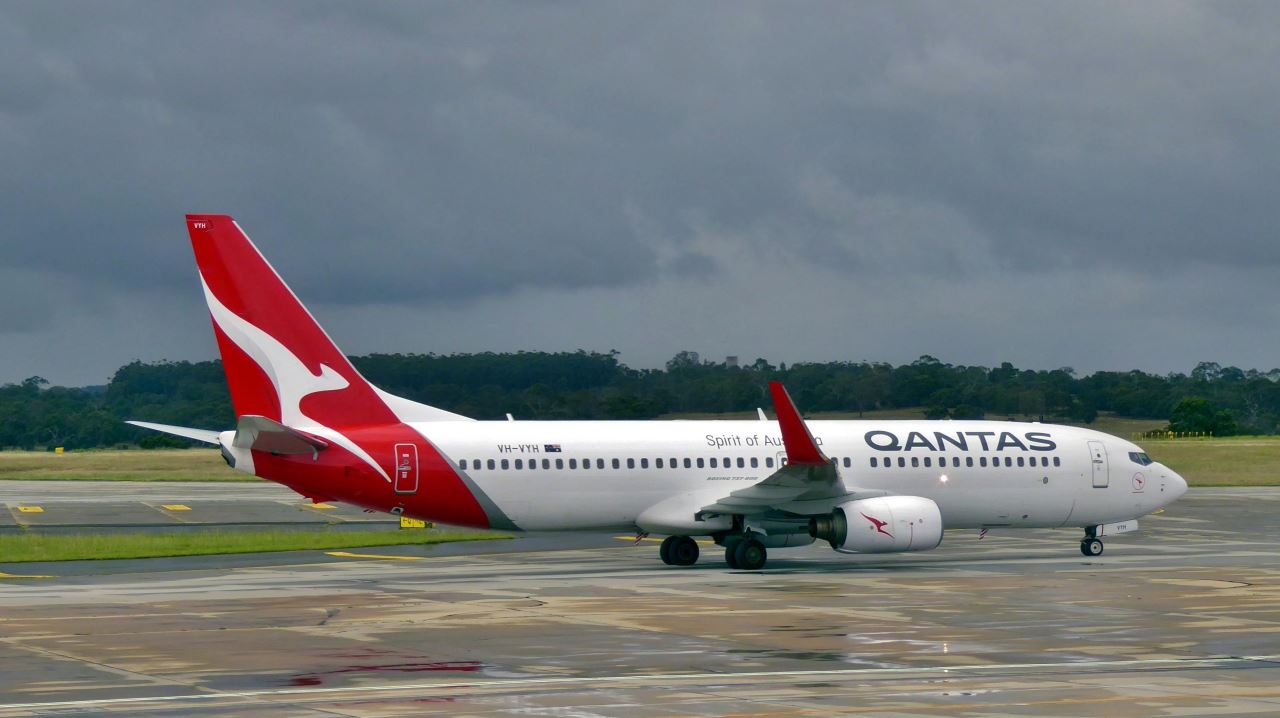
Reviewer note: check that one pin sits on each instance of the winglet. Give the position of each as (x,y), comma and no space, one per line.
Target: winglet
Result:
(801,448)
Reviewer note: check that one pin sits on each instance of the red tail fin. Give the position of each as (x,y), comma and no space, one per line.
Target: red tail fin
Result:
(279,362)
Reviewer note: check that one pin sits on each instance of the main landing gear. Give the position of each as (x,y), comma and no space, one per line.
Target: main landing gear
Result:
(679,551)
(747,555)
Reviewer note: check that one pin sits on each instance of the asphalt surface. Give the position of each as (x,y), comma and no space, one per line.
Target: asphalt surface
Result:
(1181,618)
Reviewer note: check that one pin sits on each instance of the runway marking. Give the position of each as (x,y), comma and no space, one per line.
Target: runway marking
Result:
(848,673)
(348,554)
(20,575)
(31,509)
(175,507)
(322,506)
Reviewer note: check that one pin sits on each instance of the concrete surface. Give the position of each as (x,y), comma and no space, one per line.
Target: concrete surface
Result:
(1182,618)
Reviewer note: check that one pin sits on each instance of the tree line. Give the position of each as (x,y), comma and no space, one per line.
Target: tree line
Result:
(593,385)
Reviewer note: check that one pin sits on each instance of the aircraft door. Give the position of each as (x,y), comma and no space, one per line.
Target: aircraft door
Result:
(406,479)
(1098,458)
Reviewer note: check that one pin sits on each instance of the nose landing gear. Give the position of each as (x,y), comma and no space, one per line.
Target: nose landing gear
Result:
(1090,546)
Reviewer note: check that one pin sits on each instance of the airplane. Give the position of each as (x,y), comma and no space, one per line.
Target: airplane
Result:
(307,419)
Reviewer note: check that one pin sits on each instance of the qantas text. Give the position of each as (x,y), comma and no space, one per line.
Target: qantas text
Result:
(960,440)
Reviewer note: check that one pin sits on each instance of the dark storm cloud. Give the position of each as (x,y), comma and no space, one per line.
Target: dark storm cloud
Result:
(448,155)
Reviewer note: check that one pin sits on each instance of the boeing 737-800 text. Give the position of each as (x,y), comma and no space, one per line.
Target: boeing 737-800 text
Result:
(307,419)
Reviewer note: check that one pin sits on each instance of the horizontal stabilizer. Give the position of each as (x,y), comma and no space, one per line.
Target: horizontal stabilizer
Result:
(208,437)
(262,434)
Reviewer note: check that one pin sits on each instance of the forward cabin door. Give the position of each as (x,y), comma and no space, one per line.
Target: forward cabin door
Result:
(406,479)
(1098,457)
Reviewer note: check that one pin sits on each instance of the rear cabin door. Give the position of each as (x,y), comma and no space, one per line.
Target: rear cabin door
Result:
(406,481)
(1098,458)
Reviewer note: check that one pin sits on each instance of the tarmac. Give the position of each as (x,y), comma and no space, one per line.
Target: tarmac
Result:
(1179,618)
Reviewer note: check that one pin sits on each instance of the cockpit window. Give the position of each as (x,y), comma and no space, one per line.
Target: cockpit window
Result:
(1140,459)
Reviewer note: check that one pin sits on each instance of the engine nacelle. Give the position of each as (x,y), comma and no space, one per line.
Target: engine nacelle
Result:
(885,524)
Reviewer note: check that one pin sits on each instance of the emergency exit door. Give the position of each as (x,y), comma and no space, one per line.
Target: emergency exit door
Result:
(1098,458)
(406,479)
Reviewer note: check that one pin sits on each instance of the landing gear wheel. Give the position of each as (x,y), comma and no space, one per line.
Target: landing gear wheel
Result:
(664,551)
(750,555)
(1091,547)
(683,551)
(731,554)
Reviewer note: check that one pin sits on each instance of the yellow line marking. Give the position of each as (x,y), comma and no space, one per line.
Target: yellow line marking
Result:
(323,506)
(348,554)
(175,507)
(18,575)
(632,539)
(31,509)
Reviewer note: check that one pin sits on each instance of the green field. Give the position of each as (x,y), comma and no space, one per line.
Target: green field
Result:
(132,465)
(24,547)
(1232,461)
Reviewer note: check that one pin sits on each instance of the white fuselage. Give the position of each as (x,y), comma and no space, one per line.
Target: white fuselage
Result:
(607,473)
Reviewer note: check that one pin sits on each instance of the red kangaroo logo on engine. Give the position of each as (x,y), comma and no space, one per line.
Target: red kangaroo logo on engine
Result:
(878,524)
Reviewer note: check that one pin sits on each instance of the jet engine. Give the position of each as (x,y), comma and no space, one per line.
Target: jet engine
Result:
(885,524)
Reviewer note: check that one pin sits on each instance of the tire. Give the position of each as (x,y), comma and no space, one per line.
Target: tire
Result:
(1091,547)
(730,554)
(750,555)
(684,551)
(664,551)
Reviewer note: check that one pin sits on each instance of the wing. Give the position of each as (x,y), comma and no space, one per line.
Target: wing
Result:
(808,483)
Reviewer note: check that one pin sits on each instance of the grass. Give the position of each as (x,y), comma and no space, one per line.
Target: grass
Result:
(111,465)
(1231,461)
(25,547)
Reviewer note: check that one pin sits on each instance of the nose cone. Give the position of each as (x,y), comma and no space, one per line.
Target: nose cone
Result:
(1175,486)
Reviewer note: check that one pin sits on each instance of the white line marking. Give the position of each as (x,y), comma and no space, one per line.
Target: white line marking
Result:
(1185,663)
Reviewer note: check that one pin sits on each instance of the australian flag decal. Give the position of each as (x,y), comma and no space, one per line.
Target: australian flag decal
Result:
(551,448)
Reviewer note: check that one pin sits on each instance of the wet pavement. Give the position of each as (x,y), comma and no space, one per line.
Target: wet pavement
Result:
(1181,618)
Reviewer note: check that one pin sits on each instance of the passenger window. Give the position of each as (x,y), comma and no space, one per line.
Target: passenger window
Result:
(713,462)
(1008,461)
(902,462)
(955,461)
(768,462)
(968,461)
(573,463)
(701,462)
(742,464)
(631,463)
(874,462)
(546,463)
(915,461)
(688,463)
(928,462)
(848,462)
(599,463)
(1057,461)
(657,463)
(617,464)
(559,463)
(1021,462)
(673,463)
(492,464)
(982,461)
(506,464)
(519,463)
(755,462)
(644,463)
(462,464)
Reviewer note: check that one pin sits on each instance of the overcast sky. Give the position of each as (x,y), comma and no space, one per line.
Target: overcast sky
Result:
(1052,184)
